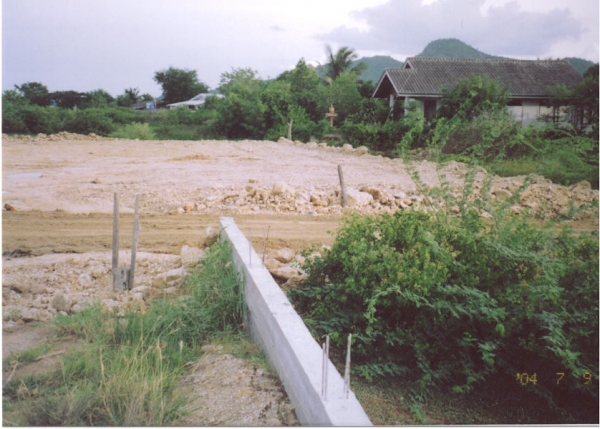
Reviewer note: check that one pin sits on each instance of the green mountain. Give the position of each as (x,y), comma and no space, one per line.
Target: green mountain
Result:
(441,48)
(580,64)
(453,48)
(377,65)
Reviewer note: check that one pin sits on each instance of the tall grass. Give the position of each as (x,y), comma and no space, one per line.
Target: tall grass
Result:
(127,370)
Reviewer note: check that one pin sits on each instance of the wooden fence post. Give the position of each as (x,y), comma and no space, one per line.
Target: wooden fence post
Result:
(136,235)
(342,186)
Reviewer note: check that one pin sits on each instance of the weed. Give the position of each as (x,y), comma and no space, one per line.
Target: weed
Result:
(126,373)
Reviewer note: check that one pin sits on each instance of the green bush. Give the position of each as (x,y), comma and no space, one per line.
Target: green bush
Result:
(452,302)
(134,131)
(483,137)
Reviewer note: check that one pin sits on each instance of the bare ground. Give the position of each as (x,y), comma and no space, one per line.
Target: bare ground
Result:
(57,223)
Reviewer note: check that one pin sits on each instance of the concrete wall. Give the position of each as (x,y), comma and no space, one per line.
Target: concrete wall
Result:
(284,338)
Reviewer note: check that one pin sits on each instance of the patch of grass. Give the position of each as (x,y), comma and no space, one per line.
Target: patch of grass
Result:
(25,356)
(127,371)
(514,167)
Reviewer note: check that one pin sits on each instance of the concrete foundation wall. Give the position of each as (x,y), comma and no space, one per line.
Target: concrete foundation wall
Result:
(284,338)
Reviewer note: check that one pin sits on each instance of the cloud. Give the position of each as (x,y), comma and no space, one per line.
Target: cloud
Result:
(276,28)
(407,26)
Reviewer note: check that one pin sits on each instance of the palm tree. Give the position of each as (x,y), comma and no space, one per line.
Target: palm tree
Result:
(341,62)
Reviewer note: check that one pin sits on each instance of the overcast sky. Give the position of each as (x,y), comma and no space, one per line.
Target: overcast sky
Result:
(85,45)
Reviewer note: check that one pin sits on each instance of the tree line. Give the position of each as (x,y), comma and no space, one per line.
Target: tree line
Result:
(473,120)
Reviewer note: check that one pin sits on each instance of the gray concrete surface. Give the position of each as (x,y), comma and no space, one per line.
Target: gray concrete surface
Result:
(284,338)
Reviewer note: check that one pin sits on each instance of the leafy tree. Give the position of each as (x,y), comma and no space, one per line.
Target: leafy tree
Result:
(277,99)
(585,101)
(365,88)
(559,97)
(305,87)
(98,98)
(130,96)
(472,97)
(34,92)
(344,96)
(66,99)
(179,84)
(341,62)
(242,112)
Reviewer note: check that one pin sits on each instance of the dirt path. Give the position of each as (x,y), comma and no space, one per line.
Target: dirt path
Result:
(34,233)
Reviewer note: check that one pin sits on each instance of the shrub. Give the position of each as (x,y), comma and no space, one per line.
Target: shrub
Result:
(451,302)
(134,131)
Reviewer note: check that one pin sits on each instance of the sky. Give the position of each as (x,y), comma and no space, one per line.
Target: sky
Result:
(84,45)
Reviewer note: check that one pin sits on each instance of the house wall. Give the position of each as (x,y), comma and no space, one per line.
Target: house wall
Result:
(525,111)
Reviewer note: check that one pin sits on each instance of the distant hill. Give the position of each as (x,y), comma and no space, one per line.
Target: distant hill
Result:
(375,64)
(453,48)
(580,64)
(441,48)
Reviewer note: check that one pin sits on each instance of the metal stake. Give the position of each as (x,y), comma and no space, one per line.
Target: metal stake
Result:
(325,368)
(250,249)
(265,244)
(347,370)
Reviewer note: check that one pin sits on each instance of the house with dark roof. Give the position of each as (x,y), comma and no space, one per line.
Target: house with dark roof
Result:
(424,79)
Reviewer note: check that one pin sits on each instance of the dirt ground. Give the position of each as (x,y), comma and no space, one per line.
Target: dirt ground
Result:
(57,194)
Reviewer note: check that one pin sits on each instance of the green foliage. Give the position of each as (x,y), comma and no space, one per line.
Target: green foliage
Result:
(305,88)
(472,97)
(35,93)
(452,302)
(343,61)
(179,84)
(343,94)
(134,131)
(485,138)
(242,112)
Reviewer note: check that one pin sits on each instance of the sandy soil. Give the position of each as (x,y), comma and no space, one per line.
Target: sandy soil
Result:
(57,195)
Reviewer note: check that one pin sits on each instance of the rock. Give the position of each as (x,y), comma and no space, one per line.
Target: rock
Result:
(502,194)
(272,263)
(188,207)
(356,198)
(180,210)
(293,282)
(285,255)
(61,303)
(35,314)
(169,277)
(96,181)
(375,193)
(190,255)
(362,150)
(283,140)
(282,188)
(311,145)
(11,313)
(347,148)
(211,235)
(79,307)
(9,208)
(32,287)
(286,272)
(144,291)
(582,191)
